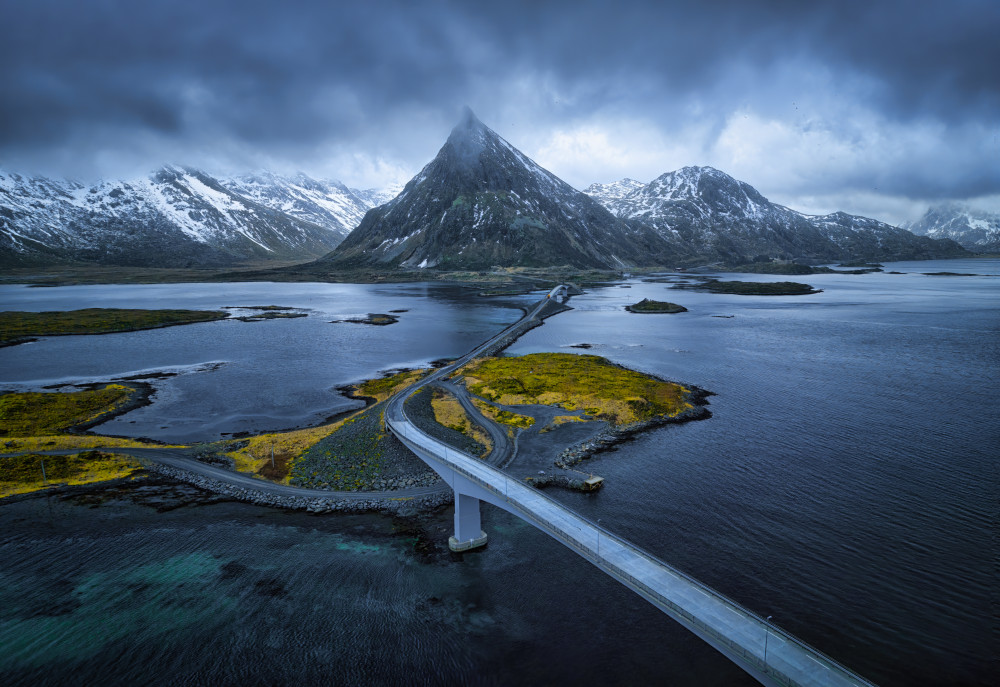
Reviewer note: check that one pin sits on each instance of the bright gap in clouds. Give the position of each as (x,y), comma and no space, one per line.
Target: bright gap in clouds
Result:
(860,164)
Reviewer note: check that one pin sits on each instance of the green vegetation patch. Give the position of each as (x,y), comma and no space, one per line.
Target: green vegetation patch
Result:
(752,288)
(15,326)
(504,417)
(791,268)
(32,472)
(648,306)
(43,414)
(589,382)
(438,413)
(384,387)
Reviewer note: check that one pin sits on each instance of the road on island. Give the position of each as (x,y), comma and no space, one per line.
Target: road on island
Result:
(184,458)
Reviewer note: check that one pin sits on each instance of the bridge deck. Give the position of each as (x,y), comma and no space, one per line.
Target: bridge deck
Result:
(737,632)
(734,630)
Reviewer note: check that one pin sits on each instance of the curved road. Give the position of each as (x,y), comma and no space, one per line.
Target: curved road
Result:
(182,459)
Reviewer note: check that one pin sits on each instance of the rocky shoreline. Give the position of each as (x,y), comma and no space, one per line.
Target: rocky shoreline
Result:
(400,505)
(612,436)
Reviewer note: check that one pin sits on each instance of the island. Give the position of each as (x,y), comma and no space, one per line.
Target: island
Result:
(21,327)
(649,306)
(752,288)
(375,318)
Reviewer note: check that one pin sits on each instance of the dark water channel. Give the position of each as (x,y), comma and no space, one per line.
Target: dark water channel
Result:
(846,485)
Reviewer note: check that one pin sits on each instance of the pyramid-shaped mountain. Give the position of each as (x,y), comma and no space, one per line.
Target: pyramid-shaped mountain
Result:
(481,202)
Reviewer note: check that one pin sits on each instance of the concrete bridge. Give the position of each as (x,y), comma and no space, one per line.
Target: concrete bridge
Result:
(766,652)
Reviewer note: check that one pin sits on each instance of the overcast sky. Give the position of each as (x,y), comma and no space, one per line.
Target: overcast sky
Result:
(876,107)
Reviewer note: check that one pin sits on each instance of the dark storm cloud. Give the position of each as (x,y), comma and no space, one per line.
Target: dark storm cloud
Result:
(284,77)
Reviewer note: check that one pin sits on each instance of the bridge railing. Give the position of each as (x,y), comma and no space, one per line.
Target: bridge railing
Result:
(521,497)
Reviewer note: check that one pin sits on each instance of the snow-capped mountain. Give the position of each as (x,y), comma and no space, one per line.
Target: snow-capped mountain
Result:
(175,217)
(715,216)
(374,197)
(976,230)
(610,195)
(327,204)
(481,202)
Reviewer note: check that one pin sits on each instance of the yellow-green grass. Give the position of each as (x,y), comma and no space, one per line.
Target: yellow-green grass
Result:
(39,421)
(254,456)
(450,413)
(382,388)
(561,420)
(39,414)
(504,417)
(65,442)
(24,473)
(603,389)
(20,325)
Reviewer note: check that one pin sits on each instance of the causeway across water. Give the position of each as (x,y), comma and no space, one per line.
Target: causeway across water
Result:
(768,653)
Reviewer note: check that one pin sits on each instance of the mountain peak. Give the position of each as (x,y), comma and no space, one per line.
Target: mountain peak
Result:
(481,202)
(469,137)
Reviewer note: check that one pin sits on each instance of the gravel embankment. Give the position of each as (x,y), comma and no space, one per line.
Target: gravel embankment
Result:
(360,456)
(312,504)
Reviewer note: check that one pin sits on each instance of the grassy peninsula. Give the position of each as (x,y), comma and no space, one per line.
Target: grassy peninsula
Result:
(18,327)
(348,454)
(43,422)
(590,383)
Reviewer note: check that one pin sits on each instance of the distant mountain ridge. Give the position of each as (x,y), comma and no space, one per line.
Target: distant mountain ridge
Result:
(481,202)
(177,216)
(706,212)
(976,230)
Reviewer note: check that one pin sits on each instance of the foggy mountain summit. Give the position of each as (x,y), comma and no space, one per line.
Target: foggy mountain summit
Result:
(977,230)
(482,202)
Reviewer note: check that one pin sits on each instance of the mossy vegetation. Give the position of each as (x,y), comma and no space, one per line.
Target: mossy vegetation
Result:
(752,288)
(383,387)
(37,421)
(17,326)
(44,414)
(376,318)
(603,389)
(562,420)
(253,455)
(27,473)
(504,417)
(450,413)
(790,268)
(649,306)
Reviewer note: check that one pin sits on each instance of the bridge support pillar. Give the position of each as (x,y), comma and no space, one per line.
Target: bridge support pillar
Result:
(468,530)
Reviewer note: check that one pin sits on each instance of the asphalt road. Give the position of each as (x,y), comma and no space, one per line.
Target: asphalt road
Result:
(183,459)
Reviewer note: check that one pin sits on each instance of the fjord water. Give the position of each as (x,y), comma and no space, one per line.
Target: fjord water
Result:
(846,484)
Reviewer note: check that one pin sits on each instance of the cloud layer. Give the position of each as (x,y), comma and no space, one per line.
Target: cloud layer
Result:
(820,102)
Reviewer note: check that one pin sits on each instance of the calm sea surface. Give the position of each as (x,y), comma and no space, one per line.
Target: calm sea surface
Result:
(846,484)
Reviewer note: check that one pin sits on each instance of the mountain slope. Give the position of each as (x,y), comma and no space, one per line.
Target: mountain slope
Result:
(327,204)
(174,217)
(611,195)
(976,230)
(481,202)
(718,217)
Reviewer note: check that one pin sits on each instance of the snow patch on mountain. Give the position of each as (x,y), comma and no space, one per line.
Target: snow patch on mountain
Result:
(977,230)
